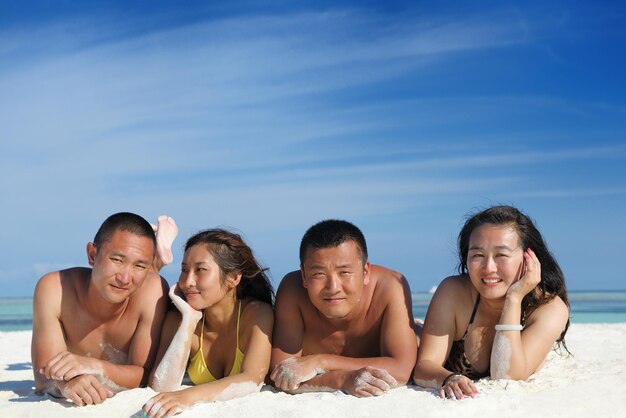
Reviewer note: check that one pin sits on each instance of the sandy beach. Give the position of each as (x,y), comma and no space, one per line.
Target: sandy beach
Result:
(591,383)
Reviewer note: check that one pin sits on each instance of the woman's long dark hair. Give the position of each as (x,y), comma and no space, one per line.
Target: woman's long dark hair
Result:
(552,280)
(234,256)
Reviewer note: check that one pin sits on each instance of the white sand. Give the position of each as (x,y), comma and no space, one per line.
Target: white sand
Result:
(590,384)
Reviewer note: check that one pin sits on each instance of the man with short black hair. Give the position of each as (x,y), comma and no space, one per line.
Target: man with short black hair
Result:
(96,330)
(341,323)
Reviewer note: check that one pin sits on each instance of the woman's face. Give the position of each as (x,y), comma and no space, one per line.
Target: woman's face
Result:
(200,278)
(494,260)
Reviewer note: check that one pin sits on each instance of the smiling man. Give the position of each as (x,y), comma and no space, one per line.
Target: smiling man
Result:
(96,330)
(342,323)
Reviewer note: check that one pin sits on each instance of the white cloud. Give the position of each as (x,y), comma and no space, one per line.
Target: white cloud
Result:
(268,123)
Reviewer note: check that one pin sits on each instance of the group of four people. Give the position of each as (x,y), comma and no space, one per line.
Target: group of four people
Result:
(338,323)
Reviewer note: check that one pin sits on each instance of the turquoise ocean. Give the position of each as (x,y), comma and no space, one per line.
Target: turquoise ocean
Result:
(587,307)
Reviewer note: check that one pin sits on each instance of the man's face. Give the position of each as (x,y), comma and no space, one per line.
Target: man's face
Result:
(334,279)
(120,265)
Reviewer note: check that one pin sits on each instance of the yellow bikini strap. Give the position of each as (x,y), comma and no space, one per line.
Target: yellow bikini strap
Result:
(202,332)
(238,318)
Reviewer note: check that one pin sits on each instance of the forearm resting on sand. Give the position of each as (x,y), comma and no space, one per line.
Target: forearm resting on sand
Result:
(429,374)
(65,366)
(354,375)
(394,366)
(450,385)
(82,390)
(230,387)
(363,382)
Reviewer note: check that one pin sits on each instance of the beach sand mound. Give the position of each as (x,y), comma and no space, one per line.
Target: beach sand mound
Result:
(589,383)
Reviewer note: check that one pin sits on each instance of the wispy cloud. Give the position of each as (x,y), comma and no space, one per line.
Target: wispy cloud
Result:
(269,122)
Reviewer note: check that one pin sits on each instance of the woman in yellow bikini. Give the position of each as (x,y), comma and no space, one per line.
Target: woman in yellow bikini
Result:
(221,331)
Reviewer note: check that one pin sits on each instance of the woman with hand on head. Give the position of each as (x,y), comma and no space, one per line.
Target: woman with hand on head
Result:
(501,315)
(220,332)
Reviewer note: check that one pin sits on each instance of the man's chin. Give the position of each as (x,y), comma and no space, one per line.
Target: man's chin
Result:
(116,297)
(335,312)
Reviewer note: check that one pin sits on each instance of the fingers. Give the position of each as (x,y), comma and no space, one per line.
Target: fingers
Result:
(277,375)
(161,406)
(532,262)
(50,370)
(458,388)
(532,266)
(66,366)
(152,406)
(467,388)
(369,387)
(148,405)
(384,376)
(284,375)
(103,391)
(94,394)
(69,392)
(86,390)
(285,379)
(64,371)
(372,381)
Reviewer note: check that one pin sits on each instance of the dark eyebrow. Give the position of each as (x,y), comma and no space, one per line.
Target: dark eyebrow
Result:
(498,247)
(504,247)
(197,263)
(345,266)
(318,266)
(124,257)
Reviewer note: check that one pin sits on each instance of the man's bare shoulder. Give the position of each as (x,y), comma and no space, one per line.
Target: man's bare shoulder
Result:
(291,284)
(386,275)
(387,281)
(153,289)
(58,282)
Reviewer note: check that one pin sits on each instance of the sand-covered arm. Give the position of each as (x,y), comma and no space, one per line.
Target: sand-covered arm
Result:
(175,345)
(516,354)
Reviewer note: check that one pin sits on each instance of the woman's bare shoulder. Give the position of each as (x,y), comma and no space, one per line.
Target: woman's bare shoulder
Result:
(554,312)
(257,312)
(454,285)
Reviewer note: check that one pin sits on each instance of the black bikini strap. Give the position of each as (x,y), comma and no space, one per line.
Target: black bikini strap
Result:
(475,309)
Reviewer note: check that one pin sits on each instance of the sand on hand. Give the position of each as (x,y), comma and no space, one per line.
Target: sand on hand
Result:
(590,383)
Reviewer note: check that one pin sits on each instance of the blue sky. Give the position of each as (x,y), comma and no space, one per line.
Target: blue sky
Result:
(401,117)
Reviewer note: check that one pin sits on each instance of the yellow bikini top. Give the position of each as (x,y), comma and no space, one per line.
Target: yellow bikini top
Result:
(199,372)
